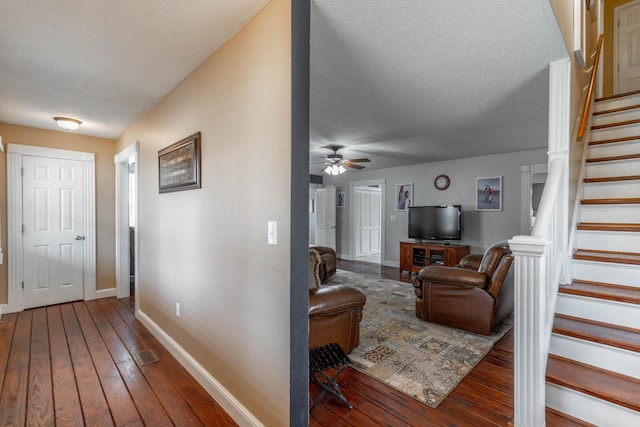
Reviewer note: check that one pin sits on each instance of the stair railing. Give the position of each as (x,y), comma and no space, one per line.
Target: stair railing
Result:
(542,259)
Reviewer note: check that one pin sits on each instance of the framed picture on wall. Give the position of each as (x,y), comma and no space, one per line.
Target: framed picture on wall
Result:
(179,165)
(489,193)
(404,196)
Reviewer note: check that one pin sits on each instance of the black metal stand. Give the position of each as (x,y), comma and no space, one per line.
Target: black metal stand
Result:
(323,358)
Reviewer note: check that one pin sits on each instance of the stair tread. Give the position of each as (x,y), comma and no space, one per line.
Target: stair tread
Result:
(617,96)
(613,178)
(555,418)
(612,201)
(614,140)
(606,226)
(614,158)
(607,256)
(615,124)
(600,383)
(617,110)
(603,333)
(606,291)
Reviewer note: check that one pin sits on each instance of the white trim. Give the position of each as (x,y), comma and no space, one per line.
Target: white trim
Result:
(121,161)
(3,308)
(229,403)
(15,152)
(616,40)
(106,293)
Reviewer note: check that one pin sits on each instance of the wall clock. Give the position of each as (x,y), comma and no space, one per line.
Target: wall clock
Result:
(442,182)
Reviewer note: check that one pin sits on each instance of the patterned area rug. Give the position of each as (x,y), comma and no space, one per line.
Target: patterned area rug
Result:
(421,359)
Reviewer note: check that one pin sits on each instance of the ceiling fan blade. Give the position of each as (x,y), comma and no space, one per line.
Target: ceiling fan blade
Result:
(358,160)
(348,164)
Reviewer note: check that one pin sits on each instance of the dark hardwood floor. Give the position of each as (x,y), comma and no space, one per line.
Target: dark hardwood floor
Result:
(74,364)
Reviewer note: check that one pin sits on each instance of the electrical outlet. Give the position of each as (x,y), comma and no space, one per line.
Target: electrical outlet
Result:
(272,232)
(178,309)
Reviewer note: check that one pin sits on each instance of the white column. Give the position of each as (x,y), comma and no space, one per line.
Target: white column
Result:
(530,358)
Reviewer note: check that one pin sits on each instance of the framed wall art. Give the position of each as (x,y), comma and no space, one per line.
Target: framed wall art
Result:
(404,194)
(489,194)
(179,165)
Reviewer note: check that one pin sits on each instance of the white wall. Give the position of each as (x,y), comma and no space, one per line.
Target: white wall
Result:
(481,228)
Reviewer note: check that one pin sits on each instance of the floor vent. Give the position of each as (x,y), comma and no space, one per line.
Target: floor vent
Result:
(145,357)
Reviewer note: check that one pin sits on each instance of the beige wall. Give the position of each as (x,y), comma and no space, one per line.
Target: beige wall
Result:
(609,5)
(104,150)
(207,248)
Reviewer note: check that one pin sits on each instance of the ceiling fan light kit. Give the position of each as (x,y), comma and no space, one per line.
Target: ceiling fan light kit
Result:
(67,123)
(336,165)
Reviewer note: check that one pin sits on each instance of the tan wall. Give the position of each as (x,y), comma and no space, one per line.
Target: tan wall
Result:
(104,150)
(608,61)
(207,248)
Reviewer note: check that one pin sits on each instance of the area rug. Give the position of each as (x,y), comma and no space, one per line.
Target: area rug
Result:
(419,358)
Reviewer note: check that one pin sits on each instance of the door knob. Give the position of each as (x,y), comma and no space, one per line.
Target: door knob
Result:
(79,237)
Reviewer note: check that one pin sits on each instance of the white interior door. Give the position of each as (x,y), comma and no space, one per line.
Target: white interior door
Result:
(326,217)
(628,47)
(368,221)
(53,240)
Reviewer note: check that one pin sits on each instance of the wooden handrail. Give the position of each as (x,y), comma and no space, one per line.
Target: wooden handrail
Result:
(592,84)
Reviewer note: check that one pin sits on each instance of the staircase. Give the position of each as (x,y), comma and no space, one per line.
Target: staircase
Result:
(593,370)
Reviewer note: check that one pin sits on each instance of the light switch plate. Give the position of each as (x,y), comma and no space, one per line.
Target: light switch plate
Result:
(272,233)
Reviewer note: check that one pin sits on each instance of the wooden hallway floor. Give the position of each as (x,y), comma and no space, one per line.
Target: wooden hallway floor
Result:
(75,364)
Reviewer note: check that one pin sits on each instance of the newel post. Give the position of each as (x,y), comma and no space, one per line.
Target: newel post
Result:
(530,350)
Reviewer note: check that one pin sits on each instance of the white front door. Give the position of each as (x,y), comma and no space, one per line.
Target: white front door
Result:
(368,224)
(53,221)
(628,48)
(326,217)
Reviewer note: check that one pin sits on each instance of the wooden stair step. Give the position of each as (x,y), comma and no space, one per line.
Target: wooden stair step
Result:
(614,158)
(607,256)
(613,178)
(556,418)
(614,140)
(603,333)
(600,383)
(612,201)
(616,124)
(617,110)
(616,96)
(607,291)
(606,226)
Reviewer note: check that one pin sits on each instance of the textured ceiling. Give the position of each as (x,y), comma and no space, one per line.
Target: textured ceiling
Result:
(408,81)
(104,62)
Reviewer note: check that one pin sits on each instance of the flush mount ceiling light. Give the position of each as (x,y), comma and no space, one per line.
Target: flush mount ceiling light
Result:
(67,124)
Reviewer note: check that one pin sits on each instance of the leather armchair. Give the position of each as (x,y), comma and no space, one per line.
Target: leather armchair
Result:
(329,262)
(335,312)
(474,295)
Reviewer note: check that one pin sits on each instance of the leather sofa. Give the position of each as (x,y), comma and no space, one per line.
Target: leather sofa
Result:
(335,312)
(328,263)
(475,295)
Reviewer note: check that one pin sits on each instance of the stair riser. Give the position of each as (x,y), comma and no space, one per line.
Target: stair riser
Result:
(615,132)
(610,213)
(614,149)
(617,117)
(627,101)
(603,356)
(607,272)
(614,168)
(612,312)
(588,408)
(617,189)
(608,240)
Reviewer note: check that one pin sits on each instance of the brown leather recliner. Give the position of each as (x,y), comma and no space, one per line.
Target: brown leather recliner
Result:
(329,262)
(335,312)
(474,295)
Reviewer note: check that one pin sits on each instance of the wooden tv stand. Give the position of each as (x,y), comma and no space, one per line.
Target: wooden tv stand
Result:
(414,256)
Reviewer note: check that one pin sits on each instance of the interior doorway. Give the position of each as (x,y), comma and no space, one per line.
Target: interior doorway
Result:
(367,221)
(626,54)
(127,228)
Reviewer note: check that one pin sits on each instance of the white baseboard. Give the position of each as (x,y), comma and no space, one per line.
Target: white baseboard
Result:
(344,256)
(391,263)
(105,293)
(3,307)
(227,401)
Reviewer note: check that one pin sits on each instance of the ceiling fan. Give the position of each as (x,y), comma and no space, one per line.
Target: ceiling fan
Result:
(336,164)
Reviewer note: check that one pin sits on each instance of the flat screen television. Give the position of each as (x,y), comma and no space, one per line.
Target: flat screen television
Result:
(435,222)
